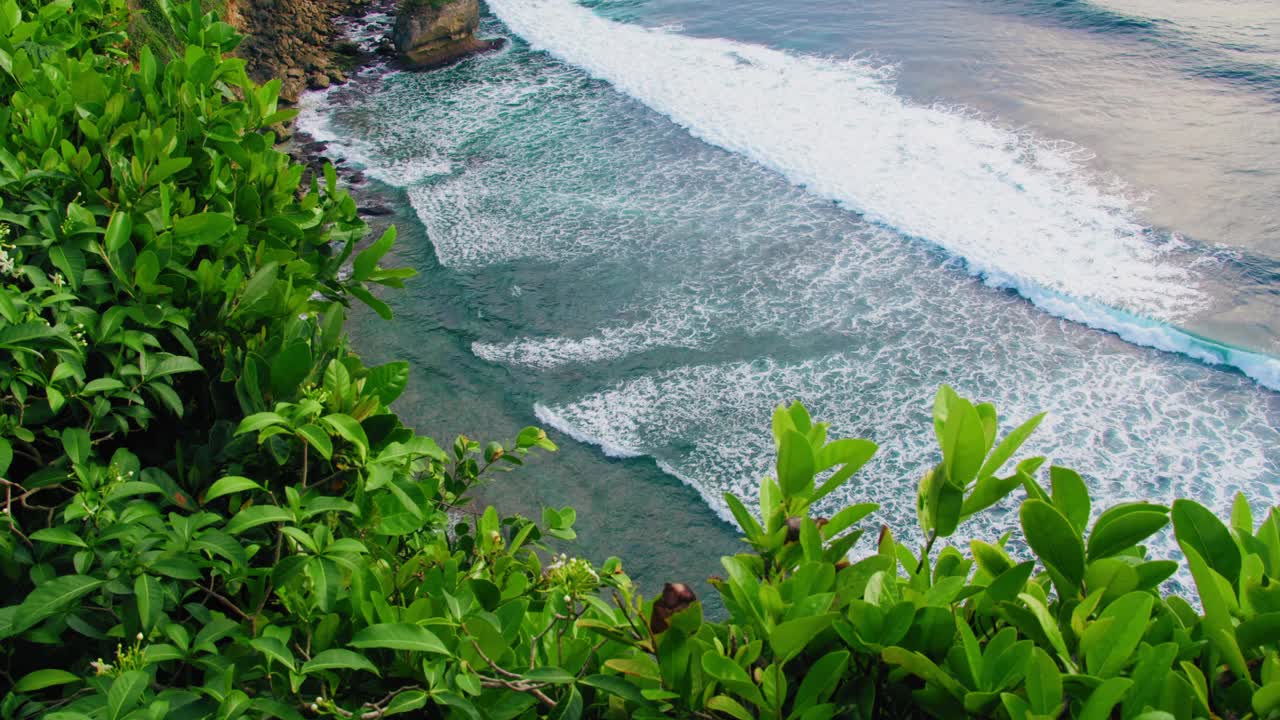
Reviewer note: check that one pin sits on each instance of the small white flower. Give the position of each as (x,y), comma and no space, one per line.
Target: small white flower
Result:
(139,636)
(567,599)
(315,707)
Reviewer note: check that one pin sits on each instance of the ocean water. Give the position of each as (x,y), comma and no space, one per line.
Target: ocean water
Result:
(645,223)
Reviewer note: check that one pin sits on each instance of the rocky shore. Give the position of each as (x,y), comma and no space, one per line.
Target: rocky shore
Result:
(297,42)
(434,33)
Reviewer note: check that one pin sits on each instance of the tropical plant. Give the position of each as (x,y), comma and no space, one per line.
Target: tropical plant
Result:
(208,509)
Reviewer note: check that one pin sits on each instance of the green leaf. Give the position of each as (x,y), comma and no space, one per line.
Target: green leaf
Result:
(102,385)
(75,442)
(1262,629)
(125,692)
(1104,698)
(275,650)
(203,228)
(1107,655)
(731,675)
(149,595)
(615,685)
(640,666)
(1044,684)
(745,519)
(338,659)
(317,438)
(324,579)
(789,639)
(118,230)
(388,381)
(1009,583)
(850,454)
(1195,526)
(41,679)
(59,536)
(923,668)
(399,636)
(1266,699)
(1054,540)
(1009,446)
(366,297)
(258,421)
(1048,626)
(259,285)
(289,368)
(173,365)
(50,598)
(570,707)
(730,707)
(406,701)
(939,503)
(367,260)
(1124,531)
(24,333)
(230,484)
(257,515)
(820,681)
(350,430)
(549,674)
(1241,514)
(1218,625)
(964,442)
(795,464)
(1070,496)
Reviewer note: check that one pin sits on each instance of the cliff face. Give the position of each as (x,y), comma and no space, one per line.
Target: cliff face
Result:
(431,33)
(293,40)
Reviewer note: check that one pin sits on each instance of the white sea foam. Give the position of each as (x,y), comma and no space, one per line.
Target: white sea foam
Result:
(1022,213)
(315,120)
(703,424)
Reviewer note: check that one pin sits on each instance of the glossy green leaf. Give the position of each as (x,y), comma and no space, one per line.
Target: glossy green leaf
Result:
(257,515)
(41,679)
(399,636)
(338,659)
(1201,530)
(230,484)
(795,464)
(1055,542)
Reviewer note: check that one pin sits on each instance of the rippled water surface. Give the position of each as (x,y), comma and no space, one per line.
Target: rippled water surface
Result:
(643,224)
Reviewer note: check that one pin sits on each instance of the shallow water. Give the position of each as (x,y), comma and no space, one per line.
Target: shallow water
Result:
(644,224)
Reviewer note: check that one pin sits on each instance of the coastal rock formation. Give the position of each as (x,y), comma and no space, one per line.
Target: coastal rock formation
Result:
(432,33)
(293,40)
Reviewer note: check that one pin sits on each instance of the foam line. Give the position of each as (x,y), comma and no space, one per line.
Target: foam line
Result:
(1022,213)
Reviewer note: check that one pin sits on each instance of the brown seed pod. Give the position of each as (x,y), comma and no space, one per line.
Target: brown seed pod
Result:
(793,529)
(675,597)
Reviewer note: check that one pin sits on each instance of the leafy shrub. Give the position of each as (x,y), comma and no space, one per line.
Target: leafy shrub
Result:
(210,511)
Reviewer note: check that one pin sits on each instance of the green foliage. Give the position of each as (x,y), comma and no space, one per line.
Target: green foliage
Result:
(210,511)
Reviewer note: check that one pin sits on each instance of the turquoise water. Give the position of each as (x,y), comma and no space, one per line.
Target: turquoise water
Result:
(644,224)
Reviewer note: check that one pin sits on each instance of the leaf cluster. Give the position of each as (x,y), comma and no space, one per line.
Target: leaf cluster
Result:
(209,510)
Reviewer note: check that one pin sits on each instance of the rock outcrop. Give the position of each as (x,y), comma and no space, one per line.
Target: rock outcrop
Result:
(433,33)
(293,40)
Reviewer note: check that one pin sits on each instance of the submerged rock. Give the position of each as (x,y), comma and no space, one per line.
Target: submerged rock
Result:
(432,33)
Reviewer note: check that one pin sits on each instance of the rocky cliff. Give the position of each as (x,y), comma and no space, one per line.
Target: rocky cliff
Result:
(294,40)
(432,33)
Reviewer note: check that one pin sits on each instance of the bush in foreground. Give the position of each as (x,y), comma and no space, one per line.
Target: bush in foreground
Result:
(209,510)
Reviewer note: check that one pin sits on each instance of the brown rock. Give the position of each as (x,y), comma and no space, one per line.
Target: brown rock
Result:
(675,597)
(432,33)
